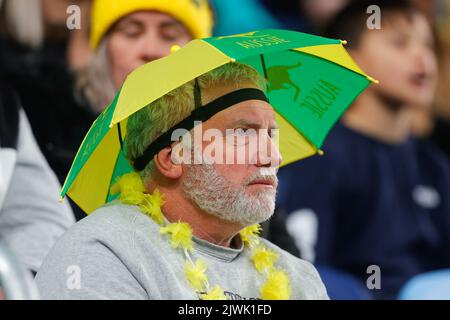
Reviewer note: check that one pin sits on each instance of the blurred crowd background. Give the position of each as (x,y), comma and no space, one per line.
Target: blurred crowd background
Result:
(55,80)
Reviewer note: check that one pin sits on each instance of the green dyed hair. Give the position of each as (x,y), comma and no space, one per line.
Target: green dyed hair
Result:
(146,125)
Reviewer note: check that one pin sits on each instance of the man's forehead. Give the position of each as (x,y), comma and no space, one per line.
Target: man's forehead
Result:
(252,110)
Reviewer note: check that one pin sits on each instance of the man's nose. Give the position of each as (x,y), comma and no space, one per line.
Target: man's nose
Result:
(268,152)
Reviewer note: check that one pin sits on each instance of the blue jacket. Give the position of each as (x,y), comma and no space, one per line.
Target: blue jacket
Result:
(368,203)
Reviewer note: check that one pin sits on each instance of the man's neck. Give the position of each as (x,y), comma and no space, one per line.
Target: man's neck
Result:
(383,120)
(204,226)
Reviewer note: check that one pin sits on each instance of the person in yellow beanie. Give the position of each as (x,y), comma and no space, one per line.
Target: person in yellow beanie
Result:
(128,33)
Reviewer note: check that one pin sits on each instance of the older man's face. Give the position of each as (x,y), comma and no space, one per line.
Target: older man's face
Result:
(236,190)
(253,129)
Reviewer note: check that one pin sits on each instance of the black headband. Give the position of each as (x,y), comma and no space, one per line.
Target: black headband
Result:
(199,114)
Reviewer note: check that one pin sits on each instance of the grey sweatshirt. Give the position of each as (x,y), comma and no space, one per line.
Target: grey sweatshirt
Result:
(118,253)
(31,218)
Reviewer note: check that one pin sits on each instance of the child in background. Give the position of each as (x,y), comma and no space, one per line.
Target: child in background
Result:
(377,196)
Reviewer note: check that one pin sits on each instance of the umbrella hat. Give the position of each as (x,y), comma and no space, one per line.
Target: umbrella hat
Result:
(311,81)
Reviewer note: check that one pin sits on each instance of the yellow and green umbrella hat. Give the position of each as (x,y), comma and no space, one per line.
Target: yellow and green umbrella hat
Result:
(311,82)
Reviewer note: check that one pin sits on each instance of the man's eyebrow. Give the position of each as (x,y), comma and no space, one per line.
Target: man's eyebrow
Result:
(252,124)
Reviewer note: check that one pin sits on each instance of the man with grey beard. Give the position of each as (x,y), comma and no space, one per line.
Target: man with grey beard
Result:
(118,252)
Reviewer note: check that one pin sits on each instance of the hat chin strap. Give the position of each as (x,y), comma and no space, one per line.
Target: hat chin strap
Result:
(199,114)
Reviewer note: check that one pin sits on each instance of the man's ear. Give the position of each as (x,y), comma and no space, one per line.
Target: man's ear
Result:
(166,166)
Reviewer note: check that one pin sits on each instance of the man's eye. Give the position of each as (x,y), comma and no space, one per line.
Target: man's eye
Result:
(243,132)
(240,131)
(274,133)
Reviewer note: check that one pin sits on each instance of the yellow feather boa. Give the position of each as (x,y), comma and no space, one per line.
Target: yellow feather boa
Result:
(132,191)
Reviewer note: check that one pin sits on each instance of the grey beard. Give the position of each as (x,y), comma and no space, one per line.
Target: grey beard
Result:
(215,195)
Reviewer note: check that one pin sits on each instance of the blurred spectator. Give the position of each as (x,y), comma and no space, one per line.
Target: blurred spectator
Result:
(377,197)
(62,104)
(35,64)
(39,28)
(422,122)
(31,219)
(75,41)
(433,124)
(126,34)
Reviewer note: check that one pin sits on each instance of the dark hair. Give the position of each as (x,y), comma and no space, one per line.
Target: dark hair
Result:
(350,23)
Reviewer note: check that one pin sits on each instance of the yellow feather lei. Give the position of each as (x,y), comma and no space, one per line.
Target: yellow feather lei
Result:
(132,191)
